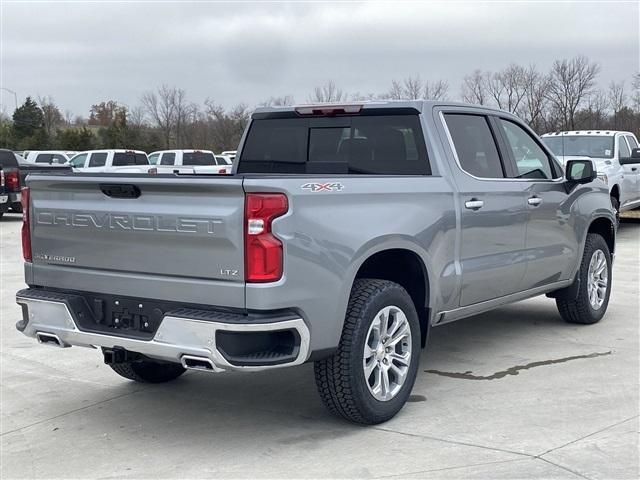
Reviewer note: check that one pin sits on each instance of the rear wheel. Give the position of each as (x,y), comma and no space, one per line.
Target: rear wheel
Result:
(371,375)
(148,371)
(594,289)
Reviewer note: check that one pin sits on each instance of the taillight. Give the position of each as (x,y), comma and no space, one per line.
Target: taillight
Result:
(263,251)
(12,181)
(223,170)
(26,233)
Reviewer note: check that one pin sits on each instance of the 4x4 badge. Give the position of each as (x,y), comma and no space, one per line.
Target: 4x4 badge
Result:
(323,187)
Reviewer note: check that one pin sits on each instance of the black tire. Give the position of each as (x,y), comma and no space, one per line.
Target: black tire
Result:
(148,371)
(579,309)
(340,379)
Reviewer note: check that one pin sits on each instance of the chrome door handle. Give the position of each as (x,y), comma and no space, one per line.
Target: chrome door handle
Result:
(474,204)
(535,201)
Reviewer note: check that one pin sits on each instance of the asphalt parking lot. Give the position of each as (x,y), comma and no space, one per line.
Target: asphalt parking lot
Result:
(514,393)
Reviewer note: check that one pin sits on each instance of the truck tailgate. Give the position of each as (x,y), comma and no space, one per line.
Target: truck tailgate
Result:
(142,236)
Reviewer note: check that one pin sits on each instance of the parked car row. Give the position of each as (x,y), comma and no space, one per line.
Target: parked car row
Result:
(131,161)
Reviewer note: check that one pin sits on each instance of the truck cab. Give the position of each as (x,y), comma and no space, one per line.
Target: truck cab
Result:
(96,161)
(189,161)
(612,153)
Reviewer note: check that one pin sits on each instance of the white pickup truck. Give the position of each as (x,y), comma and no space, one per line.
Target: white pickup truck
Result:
(50,157)
(616,157)
(190,161)
(97,161)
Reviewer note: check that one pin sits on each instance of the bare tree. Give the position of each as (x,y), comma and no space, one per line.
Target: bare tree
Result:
(51,116)
(328,92)
(161,106)
(226,126)
(617,100)
(473,88)
(278,101)
(437,90)
(508,87)
(414,88)
(68,117)
(635,96)
(533,105)
(396,92)
(571,83)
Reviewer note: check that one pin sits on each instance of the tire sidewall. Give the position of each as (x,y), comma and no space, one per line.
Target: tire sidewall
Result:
(394,296)
(597,243)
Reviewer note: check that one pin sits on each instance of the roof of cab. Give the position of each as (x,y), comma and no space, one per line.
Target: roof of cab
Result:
(601,133)
(419,105)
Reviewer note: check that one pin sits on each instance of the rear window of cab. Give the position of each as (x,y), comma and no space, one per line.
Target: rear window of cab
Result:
(368,144)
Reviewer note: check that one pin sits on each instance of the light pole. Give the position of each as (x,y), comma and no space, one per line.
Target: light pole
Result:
(15,95)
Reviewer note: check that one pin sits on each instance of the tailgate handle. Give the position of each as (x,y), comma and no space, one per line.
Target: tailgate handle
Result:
(117,190)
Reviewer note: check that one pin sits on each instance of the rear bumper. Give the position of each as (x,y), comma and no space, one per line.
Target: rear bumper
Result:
(182,335)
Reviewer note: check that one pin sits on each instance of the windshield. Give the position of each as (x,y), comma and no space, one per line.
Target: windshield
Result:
(580,146)
(198,158)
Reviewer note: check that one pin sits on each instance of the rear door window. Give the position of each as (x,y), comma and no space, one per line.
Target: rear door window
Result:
(98,159)
(475,145)
(198,158)
(168,158)
(368,144)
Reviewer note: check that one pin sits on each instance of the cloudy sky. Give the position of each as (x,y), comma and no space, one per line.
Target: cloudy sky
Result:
(87,51)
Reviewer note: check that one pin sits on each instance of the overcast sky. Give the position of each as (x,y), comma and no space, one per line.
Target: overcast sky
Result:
(84,52)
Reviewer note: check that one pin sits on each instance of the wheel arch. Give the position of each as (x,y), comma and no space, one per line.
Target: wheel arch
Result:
(602,226)
(407,268)
(615,192)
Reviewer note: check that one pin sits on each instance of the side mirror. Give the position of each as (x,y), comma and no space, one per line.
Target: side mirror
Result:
(580,171)
(634,158)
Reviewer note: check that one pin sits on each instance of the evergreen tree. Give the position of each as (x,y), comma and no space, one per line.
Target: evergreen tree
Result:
(27,119)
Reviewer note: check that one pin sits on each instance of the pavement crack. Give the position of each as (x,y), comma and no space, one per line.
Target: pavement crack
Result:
(455,442)
(581,475)
(515,370)
(587,436)
(457,467)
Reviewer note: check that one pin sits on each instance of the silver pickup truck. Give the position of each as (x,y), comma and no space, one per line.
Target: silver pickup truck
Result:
(343,235)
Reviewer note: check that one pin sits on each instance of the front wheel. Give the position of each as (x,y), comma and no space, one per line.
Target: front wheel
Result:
(594,289)
(370,376)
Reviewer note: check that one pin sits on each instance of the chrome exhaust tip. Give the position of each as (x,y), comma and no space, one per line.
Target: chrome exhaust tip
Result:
(191,362)
(50,339)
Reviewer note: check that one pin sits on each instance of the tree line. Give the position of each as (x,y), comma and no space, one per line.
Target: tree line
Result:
(567,97)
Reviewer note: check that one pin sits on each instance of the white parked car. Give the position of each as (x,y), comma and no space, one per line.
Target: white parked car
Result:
(189,161)
(614,154)
(50,157)
(111,160)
